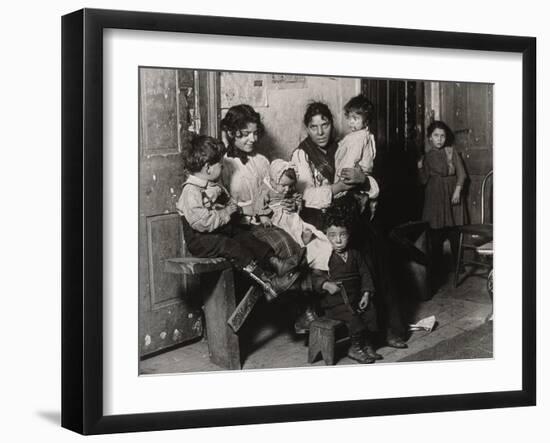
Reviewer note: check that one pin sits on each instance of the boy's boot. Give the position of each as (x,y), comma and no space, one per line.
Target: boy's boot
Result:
(301,326)
(368,349)
(272,285)
(356,351)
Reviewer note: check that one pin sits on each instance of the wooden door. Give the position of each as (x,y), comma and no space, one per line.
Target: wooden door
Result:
(174,103)
(398,127)
(468,110)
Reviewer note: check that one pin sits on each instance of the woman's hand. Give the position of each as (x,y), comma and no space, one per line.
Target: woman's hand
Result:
(331,287)
(265,221)
(420,163)
(353,176)
(340,187)
(455,200)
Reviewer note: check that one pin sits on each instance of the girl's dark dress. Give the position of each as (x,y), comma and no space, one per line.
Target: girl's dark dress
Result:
(442,172)
(356,279)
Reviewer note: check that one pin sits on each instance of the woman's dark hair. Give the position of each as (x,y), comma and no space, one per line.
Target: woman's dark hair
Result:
(343,215)
(317,108)
(237,119)
(202,150)
(438,124)
(360,105)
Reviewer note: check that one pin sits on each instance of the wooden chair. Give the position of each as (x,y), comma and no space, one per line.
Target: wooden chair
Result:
(488,251)
(477,235)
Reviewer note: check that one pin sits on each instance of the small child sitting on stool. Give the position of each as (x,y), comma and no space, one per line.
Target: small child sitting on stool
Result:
(349,287)
(208,225)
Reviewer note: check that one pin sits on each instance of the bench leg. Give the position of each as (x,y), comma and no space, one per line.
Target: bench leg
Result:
(223,343)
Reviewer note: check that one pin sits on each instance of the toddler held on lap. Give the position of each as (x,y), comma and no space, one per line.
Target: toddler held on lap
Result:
(358,148)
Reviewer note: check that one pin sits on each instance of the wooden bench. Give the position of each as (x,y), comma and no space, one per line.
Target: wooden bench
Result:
(218,291)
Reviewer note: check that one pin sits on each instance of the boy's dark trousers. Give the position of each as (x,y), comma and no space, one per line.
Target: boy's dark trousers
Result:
(344,306)
(233,242)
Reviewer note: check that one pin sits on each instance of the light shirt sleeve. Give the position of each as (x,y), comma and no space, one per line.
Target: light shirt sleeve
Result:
(356,149)
(200,218)
(316,193)
(368,153)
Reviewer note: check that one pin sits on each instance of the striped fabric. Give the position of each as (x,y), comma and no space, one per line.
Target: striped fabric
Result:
(281,242)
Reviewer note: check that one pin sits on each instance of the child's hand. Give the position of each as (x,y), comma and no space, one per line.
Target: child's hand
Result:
(299,202)
(265,221)
(213,192)
(420,163)
(455,200)
(232,207)
(307,236)
(288,204)
(364,302)
(331,287)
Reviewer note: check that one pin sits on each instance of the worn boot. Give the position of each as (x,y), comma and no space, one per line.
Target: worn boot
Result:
(283,265)
(357,353)
(304,321)
(368,349)
(272,285)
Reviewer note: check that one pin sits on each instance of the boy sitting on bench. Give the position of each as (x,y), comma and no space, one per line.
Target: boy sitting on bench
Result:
(209,228)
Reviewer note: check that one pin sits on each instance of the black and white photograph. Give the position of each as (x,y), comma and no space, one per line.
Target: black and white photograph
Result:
(290,220)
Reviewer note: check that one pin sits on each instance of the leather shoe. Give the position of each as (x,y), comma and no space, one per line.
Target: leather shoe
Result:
(396,342)
(272,285)
(281,283)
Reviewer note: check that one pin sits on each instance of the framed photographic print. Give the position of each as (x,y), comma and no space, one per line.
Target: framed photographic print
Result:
(258,216)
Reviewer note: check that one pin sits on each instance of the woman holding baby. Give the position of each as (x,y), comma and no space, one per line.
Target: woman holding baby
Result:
(261,188)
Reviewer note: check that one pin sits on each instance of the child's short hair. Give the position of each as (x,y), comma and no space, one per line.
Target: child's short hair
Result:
(438,124)
(362,106)
(203,150)
(343,215)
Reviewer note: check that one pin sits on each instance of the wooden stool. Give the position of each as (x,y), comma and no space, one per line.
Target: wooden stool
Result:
(322,338)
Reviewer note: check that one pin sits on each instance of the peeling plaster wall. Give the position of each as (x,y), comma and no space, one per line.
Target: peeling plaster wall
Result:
(285,108)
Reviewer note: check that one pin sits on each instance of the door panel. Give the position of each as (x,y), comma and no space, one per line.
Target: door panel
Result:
(170,305)
(162,245)
(468,109)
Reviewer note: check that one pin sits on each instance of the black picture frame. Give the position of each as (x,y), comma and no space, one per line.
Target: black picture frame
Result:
(82,218)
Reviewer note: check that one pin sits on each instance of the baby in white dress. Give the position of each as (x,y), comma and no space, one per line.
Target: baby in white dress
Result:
(286,203)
